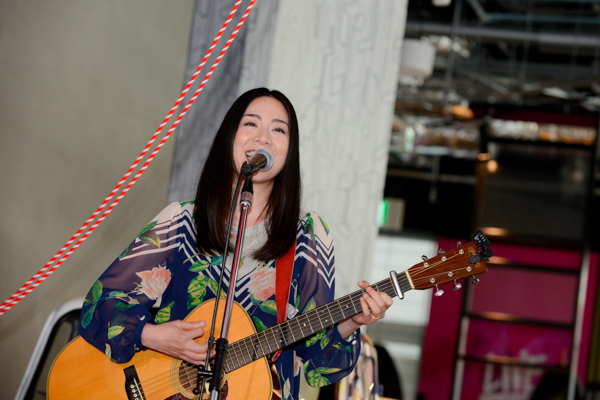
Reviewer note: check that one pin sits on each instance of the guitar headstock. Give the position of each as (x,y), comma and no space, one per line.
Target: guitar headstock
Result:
(449,266)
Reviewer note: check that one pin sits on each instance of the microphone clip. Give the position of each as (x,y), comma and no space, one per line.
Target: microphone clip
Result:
(262,160)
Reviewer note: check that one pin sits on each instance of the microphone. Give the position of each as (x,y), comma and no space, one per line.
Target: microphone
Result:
(262,160)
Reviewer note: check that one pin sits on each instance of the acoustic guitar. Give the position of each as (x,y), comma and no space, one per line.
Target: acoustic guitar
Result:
(81,371)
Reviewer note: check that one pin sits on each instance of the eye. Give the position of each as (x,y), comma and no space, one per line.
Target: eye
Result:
(249,123)
(280,130)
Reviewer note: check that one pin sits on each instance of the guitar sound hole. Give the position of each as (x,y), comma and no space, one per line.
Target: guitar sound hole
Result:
(188,374)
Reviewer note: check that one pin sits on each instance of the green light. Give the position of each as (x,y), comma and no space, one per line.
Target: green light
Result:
(382,212)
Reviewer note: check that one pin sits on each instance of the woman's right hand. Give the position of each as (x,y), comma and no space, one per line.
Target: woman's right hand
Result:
(176,339)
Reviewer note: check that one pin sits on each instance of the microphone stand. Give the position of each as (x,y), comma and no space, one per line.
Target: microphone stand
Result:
(222,343)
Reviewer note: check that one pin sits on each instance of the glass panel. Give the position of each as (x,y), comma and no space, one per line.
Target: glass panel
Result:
(535,191)
(519,343)
(505,382)
(534,295)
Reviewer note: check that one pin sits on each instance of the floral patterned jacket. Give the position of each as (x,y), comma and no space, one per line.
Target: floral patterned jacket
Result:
(162,264)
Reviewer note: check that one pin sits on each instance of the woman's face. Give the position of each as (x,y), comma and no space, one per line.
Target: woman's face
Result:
(264,125)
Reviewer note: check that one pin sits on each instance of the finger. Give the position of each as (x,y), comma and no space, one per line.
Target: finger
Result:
(366,310)
(368,290)
(196,359)
(185,325)
(191,324)
(194,352)
(193,329)
(387,299)
(363,284)
(376,296)
(375,304)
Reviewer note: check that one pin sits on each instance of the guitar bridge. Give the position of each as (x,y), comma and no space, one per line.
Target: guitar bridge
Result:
(133,387)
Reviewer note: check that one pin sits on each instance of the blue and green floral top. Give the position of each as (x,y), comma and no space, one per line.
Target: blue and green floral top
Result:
(162,265)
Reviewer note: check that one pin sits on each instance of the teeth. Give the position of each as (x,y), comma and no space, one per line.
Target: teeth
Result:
(249,154)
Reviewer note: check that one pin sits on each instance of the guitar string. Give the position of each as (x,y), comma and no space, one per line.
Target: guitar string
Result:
(416,279)
(419,280)
(417,271)
(165,387)
(295,320)
(286,329)
(247,349)
(353,298)
(338,312)
(162,382)
(241,349)
(247,352)
(251,350)
(424,269)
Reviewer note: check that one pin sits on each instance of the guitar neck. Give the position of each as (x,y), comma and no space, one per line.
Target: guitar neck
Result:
(294,330)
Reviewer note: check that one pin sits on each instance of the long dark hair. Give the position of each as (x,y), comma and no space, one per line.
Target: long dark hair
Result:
(215,187)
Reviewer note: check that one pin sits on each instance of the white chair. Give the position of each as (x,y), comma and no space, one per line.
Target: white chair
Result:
(62,325)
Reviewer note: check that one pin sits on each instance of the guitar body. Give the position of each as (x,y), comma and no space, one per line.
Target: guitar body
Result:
(83,372)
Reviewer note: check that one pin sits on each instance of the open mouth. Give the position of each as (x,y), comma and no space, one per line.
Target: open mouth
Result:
(249,154)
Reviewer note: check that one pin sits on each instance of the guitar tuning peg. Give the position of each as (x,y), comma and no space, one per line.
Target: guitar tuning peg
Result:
(474,280)
(441,251)
(457,285)
(424,257)
(458,244)
(438,292)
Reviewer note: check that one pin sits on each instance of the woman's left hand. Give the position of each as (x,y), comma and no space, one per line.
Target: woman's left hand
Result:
(374,304)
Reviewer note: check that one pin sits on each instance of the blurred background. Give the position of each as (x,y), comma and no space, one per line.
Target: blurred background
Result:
(422,122)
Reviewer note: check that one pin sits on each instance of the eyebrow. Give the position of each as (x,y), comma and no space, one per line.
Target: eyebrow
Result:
(273,120)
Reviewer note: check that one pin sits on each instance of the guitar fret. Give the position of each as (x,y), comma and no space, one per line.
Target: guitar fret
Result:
(241,354)
(305,318)
(297,319)
(329,312)
(344,309)
(247,352)
(323,321)
(282,340)
(229,360)
(256,346)
(338,313)
(264,334)
(272,329)
(237,360)
(237,356)
(288,334)
(319,318)
(291,331)
(304,325)
(354,303)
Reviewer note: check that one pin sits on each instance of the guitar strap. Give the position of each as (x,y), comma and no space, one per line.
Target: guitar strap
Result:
(283,276)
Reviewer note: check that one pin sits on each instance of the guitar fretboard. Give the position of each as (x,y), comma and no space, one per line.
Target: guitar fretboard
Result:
(294,330)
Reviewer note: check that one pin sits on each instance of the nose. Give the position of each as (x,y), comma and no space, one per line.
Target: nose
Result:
(263,136)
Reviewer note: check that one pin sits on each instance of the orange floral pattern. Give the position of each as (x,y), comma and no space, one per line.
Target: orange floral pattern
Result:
(154,282)
(262,284)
